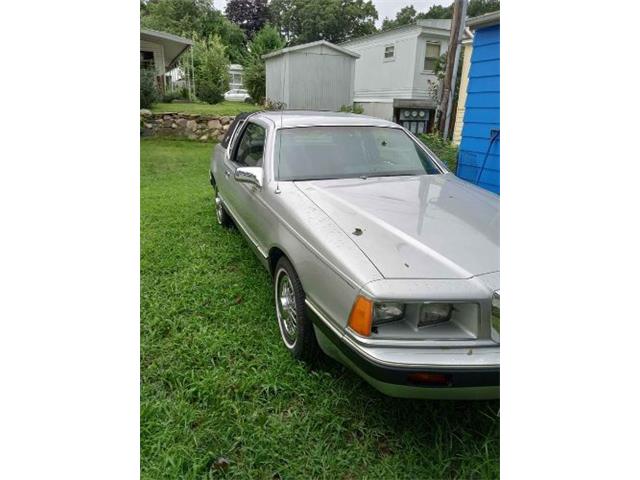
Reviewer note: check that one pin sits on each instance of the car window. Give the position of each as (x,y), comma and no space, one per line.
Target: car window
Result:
(237,123)
(308,153)
(251,147)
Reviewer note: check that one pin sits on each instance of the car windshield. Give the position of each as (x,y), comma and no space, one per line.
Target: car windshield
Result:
(313,153)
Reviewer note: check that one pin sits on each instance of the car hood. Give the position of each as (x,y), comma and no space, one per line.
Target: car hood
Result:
(429,226)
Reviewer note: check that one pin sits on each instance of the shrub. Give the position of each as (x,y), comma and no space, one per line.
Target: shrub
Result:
(148,88)
(169,97)
(444,150)
(274,105)
(352,109)
(255,79)
(211,69)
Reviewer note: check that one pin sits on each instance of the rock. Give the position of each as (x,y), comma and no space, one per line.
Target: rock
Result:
(204,137)
(148,125)
(173,125)
(192,136)
(225,120)
(182,122)
(191,124)
(225,127)
(167,117)
(220,137)
(145,112)
(214,124)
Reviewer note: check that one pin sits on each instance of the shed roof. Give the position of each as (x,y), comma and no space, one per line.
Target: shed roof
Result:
(173,45)
(309,45)
(486,20)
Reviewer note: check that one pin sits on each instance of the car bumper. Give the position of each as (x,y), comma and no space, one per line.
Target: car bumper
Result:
(451,373)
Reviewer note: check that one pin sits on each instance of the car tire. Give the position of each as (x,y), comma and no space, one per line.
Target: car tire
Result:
(222,216)
(296,328)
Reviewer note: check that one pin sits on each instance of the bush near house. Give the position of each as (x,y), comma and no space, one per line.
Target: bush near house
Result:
(444,149)
(352,109)
(148,88)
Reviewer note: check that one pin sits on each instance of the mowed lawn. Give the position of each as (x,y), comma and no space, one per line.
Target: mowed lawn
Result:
(216,382)
(219,109)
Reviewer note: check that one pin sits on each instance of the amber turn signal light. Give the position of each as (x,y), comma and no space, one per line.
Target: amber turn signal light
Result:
(361,316)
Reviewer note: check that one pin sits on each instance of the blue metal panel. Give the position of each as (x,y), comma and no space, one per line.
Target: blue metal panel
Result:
(479,156)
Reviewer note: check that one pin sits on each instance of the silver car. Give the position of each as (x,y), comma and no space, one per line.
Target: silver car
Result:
(237,95)
(381,258)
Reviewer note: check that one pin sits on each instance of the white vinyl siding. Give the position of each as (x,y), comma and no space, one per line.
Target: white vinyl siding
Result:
(389,52)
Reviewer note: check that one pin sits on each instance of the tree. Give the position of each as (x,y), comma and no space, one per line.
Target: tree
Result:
(474,8)
(405,16)
(303,21)
(211,69)
(250,15)
(190,18)
(480,7)
(266,40)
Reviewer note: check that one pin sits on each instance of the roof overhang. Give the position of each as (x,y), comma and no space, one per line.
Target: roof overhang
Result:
(310,45)
(483,21)
(173,45)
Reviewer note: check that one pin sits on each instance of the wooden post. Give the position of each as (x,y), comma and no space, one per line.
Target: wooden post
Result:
(451,55)
(447,116)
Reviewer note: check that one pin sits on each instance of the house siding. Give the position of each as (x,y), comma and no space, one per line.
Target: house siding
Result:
(462,100)
(158,55)
(379,80)
(482,113)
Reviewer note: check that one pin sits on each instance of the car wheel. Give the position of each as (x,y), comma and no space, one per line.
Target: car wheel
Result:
(222,216)
(248,100)
(296,328)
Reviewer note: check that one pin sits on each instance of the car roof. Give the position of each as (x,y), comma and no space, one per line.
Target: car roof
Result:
(309,118)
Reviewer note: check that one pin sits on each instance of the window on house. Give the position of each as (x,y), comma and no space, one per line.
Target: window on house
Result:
(146,59)
(431,56)
(389,52)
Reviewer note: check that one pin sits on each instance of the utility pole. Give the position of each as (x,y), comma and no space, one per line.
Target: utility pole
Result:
(459,12)
(448,114)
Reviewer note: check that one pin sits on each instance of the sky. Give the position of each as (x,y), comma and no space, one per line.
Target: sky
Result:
(386,8)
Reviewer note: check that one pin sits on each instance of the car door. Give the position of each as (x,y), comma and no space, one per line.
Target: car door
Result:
(247,150)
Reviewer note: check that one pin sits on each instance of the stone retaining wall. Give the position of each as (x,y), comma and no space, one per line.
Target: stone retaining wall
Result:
(184,125)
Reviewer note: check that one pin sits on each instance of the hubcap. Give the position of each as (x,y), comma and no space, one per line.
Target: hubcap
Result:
(286,308)
(219,209)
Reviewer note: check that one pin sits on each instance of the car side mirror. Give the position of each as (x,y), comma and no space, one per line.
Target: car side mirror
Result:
(249,175)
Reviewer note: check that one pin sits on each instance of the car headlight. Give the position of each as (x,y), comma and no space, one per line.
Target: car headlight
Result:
(495,310)
(435,313)
(387,312)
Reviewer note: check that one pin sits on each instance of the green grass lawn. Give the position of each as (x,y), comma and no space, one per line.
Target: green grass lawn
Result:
(216,380)
(223,108)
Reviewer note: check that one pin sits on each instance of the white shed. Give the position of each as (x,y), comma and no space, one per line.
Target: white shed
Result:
(313,76)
